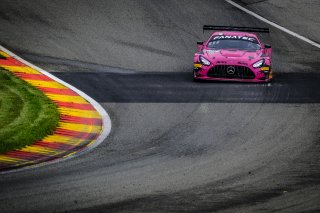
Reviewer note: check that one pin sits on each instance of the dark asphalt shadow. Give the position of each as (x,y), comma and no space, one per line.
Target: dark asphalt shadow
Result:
(178,87)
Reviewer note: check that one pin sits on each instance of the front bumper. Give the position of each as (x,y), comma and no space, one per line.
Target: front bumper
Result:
(201,72)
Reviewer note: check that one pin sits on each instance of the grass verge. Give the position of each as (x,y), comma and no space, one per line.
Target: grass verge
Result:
(26,114)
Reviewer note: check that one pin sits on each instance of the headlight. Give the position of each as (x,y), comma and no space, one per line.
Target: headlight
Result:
(204,61)
(258,63)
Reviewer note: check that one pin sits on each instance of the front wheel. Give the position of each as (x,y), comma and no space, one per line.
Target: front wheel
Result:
(194,77)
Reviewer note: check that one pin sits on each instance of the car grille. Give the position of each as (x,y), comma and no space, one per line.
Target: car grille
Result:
(240,72)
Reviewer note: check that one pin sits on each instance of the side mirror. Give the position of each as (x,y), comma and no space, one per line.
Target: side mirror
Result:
(267,46)
(199,45)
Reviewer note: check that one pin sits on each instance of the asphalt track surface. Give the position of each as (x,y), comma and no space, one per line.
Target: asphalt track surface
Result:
(175,145)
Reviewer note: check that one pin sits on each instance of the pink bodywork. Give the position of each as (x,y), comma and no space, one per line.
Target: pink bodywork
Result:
(233,59)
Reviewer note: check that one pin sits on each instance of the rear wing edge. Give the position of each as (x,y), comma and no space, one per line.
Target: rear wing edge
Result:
(234,28)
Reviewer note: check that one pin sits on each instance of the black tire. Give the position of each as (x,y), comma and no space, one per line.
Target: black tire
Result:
(194,78)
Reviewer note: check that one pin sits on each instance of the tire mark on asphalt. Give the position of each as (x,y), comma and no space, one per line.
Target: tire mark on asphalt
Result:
(179,88)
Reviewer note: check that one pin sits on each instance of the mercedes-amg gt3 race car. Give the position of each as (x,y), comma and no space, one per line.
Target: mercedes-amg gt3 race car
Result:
(233,54)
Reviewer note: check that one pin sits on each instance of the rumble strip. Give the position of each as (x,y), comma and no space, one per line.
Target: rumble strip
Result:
(83,122)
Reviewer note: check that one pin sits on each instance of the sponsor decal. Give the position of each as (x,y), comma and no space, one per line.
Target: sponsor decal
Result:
(265,68)
(245,38)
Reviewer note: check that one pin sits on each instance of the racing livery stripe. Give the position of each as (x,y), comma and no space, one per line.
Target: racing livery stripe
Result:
(80,123)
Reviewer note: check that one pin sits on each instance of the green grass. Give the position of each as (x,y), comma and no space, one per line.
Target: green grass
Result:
(26,114)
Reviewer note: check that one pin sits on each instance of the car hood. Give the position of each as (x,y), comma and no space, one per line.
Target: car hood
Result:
(238,55)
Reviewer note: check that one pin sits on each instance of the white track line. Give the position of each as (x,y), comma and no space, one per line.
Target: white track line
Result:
(274,24)
(106,122)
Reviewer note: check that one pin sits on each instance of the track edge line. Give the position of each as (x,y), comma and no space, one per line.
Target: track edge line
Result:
(305,39)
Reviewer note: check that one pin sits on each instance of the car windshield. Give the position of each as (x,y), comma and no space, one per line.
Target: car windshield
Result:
(233,44)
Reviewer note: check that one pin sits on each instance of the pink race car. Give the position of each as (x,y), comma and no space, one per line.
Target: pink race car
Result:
(233,54)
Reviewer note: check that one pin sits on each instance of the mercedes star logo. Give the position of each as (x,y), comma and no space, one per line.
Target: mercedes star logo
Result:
(231,70)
